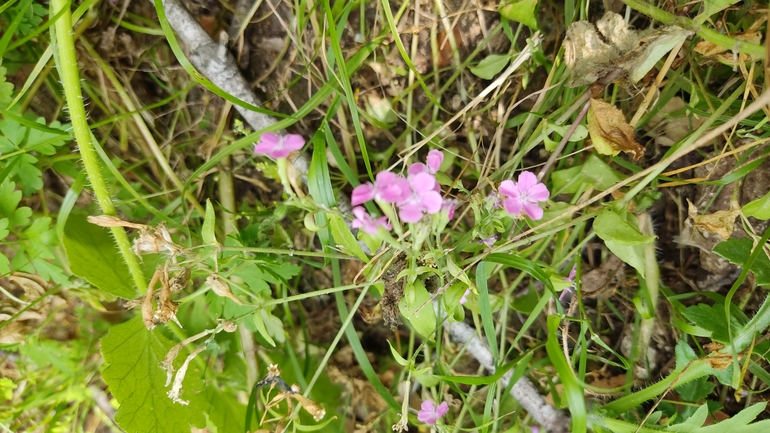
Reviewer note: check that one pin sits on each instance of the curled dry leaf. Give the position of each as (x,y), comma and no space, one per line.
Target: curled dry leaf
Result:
(221,288)
(112,221)
(591,52)
(721,223)
(610,132)
(147,310)
(710,49)
(176,389)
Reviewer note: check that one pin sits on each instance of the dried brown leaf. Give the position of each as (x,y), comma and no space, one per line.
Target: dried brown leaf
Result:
(610,132)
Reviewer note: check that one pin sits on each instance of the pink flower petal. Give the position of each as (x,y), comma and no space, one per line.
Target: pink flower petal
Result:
(280,153)
(527,180)
(423,182)
(442,409)
(293,142)
(394,192)
(270,139)
(415,168)
(513,206)
(410,213)
(428,405)
(508,188)
(431,201)
(533,211)
(538,192)
(362,194)
(434,160)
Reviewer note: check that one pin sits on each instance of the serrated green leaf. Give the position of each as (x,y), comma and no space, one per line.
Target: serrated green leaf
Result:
(521,11)
(9,199)
(684,354)
(133,355)
(759,208)
(490,66)
(94,256)
(737,251)
(6,89)
(712,318)
(209,225)
(3,228)
(611,226)
(696,390)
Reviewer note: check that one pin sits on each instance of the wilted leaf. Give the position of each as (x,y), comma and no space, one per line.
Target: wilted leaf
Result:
(591,54)
(610,132)
(521,11)
(720,222)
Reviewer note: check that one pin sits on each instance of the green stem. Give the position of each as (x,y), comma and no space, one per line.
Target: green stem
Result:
(756,51)
(68,70)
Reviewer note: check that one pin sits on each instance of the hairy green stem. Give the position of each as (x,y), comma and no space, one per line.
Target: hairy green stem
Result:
(756,51)
(68,71)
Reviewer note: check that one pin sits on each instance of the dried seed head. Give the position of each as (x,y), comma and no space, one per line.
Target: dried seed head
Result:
(229,326)
(147,316)
(221,288)
(157,241)
(180,280)
(309,405)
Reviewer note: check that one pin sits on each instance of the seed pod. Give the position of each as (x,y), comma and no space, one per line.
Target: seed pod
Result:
(221,288)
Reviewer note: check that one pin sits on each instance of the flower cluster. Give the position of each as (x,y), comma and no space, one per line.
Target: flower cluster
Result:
(524,195)
(415,195)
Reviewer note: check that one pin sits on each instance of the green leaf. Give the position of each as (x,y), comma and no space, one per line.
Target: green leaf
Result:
(712,318)
(133,355)
(490,66)
(224,410)
(710,7)
(632,255)
(209,225)
(521,11)
(343,237)
(416,296)
(737,251)
(94,256)
(16,137)
(696,390)
(6,89)
(594,172)
(684,355)
(397,356)
(611,226)
(738,423)
(9,199)
(759,208)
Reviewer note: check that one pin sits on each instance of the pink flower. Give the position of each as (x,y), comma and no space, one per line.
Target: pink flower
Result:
(365,222)
(572,274)
(524,195)
(423,198)
(429,413)
(388,187)
(434,160)
(276,146)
